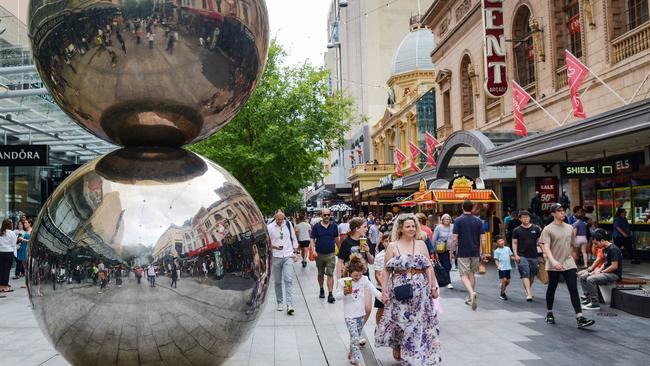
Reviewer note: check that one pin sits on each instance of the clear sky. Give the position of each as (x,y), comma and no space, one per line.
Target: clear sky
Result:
(299,25)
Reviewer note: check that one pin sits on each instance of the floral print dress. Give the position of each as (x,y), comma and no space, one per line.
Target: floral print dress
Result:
(411,325)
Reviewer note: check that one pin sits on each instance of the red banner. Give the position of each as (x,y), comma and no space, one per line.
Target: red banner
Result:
(400,157)
(548,189)
(431,147)
(352,158)
(360,153)
(519,100)
(415,156)
(576,73)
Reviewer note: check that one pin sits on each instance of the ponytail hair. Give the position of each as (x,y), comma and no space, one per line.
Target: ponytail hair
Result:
(356,264)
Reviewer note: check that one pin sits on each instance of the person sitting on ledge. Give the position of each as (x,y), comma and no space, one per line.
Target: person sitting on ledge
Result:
(611,272)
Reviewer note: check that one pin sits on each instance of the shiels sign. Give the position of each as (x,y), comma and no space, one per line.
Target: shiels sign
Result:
(496,82)
(23,155)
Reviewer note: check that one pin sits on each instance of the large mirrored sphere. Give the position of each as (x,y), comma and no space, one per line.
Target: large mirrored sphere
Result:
(145,72)
(148,257)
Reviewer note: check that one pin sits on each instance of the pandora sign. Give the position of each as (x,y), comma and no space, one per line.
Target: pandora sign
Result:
(496,83)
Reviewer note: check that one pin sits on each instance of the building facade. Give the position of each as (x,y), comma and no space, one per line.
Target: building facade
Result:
(610,145)
(363,36)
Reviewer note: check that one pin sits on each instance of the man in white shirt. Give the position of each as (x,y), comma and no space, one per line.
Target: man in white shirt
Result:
(284,245)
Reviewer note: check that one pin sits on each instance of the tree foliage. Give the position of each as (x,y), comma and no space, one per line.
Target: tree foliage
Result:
(276,144)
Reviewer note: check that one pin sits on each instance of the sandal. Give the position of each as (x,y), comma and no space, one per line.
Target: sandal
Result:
(7,290)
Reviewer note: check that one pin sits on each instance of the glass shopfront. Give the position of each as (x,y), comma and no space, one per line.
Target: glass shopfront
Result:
(629,189)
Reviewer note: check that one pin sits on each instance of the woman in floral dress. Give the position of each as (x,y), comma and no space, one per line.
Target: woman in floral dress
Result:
(409,327)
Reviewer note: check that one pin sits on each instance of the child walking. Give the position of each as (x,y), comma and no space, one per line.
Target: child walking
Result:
(352,289)
(502,256)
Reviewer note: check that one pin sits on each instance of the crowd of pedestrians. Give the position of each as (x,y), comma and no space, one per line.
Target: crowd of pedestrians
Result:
(406,251)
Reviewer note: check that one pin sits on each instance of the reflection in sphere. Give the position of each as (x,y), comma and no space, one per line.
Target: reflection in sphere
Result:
(195,224)
(143,72)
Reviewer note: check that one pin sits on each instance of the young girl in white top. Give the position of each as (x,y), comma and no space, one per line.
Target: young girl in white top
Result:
(352,289)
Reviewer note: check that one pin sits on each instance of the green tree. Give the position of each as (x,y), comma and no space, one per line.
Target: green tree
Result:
(276,144)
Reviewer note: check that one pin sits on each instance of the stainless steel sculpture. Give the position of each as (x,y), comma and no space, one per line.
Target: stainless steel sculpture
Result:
(150,207)
(144,72)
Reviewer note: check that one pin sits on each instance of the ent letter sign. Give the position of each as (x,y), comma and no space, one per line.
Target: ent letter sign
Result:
(496,83)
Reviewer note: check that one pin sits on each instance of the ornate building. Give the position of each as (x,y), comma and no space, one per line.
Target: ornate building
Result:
(408,115)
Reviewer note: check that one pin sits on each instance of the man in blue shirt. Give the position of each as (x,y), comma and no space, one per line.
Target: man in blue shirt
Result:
(324,240)
(470,237)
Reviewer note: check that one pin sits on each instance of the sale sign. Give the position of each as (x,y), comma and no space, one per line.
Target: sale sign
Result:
(496,82)
(549,191)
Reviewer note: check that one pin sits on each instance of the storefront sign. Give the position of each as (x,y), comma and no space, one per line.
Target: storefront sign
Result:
(67,170)
(386,181)
(548,190)
(487,172)
(624,165)
(23,155)
(587,170)
(496,82)
(398,183)
(543,170)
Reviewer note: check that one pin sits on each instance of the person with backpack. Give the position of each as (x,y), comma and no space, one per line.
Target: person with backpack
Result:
(284,244)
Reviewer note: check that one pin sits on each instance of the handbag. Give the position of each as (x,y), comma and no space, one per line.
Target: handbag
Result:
(542,274)
(441,274)
(404,292)
(482,268)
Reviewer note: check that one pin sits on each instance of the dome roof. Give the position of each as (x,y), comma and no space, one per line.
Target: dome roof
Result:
(414,52)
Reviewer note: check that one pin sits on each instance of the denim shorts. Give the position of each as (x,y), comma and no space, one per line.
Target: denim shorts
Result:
(528,267)
(504,274)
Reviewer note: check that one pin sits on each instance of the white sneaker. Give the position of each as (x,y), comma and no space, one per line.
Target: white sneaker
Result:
(280,308)
(450,286)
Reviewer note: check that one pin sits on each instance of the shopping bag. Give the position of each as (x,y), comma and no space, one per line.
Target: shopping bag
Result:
(482,269)
(542,275)
(311,254)
(441,274)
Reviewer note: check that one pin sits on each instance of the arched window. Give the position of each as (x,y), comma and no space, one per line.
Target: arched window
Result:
(523,47)
(467,99)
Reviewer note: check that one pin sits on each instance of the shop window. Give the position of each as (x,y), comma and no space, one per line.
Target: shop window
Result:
(426,120)
(623,199)
(605,205)
(524,50)
(641,200)
(467,98)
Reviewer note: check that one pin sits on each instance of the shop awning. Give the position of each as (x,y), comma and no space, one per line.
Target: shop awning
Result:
(448,196)
(475,195)
(204,249)
(616,132)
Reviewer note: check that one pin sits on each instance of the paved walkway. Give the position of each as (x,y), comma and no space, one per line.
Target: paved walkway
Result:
(500,332)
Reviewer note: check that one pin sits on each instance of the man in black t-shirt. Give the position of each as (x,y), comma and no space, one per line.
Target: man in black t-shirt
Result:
(524,246)
(469,234)
(609,274)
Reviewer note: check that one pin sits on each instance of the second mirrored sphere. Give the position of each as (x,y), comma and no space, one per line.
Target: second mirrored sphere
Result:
(148,257)
(144,72)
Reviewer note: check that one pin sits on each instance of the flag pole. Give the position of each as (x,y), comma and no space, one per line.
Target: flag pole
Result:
(601,80)
(539,105)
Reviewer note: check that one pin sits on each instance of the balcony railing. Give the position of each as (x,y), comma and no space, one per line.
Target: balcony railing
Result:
(561,79)
(372,168)
(444,131)
(631,43)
